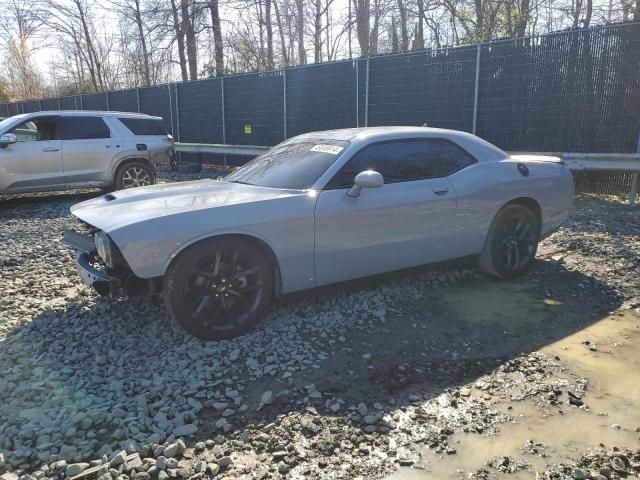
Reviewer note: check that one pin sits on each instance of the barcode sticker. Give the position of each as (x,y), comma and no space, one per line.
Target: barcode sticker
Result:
(332,149)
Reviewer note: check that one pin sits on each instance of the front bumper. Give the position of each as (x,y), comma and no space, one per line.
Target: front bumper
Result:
(100,280)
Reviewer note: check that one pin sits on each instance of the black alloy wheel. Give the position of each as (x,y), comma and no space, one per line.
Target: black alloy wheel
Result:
(512,242)
(219,288)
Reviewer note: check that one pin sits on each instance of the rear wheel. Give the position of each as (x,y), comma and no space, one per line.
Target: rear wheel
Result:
(219,288)
(134,174)
(511,243)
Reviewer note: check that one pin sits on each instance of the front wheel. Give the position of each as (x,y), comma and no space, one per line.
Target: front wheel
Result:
(511,243)
(134,174)
(219,288)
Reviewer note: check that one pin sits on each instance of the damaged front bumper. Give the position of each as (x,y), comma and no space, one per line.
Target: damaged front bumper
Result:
(118,282)
(99,279)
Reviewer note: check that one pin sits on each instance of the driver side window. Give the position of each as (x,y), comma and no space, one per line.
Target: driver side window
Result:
(405,160)
(39,129)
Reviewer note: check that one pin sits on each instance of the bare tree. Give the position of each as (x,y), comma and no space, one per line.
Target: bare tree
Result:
(18,24)
(217,36)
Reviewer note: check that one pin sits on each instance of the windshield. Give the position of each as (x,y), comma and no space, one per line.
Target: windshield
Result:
(295,165)
(9,121)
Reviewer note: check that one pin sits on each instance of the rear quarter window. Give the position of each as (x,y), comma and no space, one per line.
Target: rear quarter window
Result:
(144,126)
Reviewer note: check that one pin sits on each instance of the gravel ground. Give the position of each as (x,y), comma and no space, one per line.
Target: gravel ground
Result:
(346,382)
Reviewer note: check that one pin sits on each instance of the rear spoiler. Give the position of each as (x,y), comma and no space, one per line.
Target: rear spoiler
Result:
(531,157)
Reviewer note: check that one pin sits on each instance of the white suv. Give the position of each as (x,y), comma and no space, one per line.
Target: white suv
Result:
(75,149)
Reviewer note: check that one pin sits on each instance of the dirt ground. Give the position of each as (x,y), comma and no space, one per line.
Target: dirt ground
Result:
(438,373)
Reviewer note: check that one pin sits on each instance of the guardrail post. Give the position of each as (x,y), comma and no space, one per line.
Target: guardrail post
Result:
(138,98)
(357,92)
(634,180)
(106,95)
(81,103)
(175,86)
(474,128)
(40,104)
(170,109)
(59,104)
(284,102)
(366,96)
(224,123)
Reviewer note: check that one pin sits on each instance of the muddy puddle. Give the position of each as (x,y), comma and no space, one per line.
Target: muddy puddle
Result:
(611,363)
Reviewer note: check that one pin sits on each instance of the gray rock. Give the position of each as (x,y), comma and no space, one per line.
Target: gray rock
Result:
(9,476)
(618,465)
(267,397)
(579,474)
(171,450)
(362,409)
(118,458)
(224,461)
(184,430)
(213,469)
(75,469)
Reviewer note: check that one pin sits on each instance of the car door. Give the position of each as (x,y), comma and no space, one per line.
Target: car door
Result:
(34,162)
(409,221)
(89,147)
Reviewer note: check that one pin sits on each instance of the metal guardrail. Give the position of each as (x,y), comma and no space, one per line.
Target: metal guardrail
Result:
(620,162)
(220,149)
(603,162)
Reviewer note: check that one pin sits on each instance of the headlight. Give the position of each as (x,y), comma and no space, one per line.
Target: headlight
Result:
(103,246)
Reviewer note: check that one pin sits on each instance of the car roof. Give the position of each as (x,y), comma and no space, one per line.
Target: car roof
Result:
(98,113)
(360,137)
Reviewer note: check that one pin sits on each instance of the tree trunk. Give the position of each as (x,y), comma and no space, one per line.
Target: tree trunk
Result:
(146,73)
(317,32)
(302,53)
(418,42)
(523,18)
(177,27)
(480,36)
(217,37)
(283,44)
(404,33)
(395,41)
(363,11)
(588,13)
(190,37)
(269,27)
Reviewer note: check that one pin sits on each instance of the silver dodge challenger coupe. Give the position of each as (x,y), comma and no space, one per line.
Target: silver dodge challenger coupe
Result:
(317,209)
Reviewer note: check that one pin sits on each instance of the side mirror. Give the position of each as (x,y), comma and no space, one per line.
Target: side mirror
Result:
(7,139)
(366,179)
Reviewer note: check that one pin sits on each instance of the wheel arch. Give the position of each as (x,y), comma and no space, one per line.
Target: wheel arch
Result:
(121,162)
(261,244)
(530,203)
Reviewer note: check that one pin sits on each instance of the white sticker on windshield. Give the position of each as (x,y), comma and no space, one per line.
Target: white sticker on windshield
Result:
(332,149)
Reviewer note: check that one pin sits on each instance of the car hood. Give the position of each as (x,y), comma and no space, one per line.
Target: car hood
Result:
(125,207)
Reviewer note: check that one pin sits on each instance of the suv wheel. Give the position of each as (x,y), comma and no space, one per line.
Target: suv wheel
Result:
(134,174)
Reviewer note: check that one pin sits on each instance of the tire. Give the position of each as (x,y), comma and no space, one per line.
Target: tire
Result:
(213,299)
(512,242)
(134,173)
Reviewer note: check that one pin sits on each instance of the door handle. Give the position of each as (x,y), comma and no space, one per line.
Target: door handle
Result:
(50,149)
(441,190)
